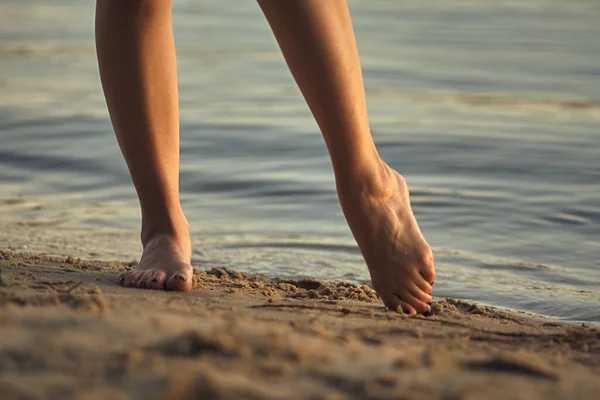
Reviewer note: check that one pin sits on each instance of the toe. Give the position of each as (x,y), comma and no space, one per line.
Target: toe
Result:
(428,275)
(428,272)
(420,295)
(179,281)
(405,308)
(420,307)
(422,284)
(394,303)
(132,278)
(426,264)
(144,281)
(157,281)
(122,277)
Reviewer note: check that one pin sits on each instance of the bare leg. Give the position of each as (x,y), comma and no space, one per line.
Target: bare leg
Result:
(317,41)
(136,55)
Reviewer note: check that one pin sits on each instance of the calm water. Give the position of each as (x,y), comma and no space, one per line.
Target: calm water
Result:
(490,109)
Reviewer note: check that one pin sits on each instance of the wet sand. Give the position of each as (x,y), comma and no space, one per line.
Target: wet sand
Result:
(67,330)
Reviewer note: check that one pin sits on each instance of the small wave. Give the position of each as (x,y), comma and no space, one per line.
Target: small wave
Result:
(297,245)
(567,219)
(497,263)
(47,52)
(502,100)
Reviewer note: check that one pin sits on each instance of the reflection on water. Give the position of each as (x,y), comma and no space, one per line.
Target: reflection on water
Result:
(491,111)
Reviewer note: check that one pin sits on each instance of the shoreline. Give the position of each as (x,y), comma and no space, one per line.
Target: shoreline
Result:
(70,331)
(61,238)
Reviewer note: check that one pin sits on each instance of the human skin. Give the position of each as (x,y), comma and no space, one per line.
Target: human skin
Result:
(136,55)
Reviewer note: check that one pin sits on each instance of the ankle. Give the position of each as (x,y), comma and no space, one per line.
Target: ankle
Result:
(378,182)
(172,224)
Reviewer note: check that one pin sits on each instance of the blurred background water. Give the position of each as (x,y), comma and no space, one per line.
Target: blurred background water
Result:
(491,110)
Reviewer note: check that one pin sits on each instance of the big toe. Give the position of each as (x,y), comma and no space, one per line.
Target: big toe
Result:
(180,281)
(428,273)
(426,267)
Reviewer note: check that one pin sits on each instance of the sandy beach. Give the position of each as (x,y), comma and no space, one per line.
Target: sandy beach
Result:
(69,331)
(490,110)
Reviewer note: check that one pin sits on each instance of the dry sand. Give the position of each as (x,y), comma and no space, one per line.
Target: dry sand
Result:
(68,331)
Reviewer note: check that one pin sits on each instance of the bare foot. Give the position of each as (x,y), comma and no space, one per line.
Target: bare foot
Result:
(399,259)
(165,264)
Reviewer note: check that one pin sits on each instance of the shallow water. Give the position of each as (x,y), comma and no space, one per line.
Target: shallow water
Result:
(490,110)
